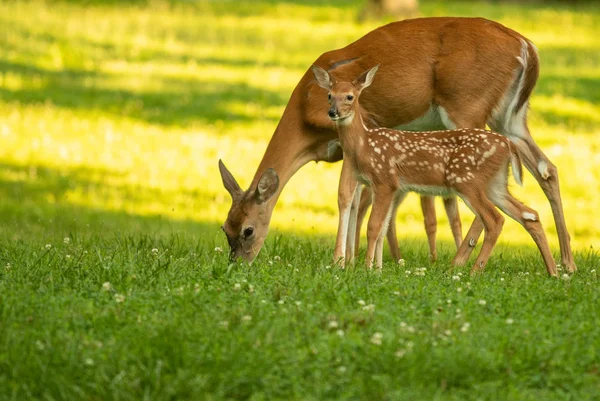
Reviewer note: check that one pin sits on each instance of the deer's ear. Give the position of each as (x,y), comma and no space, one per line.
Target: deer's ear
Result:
(229,182)
(366,78)
(323,78)
(267,185)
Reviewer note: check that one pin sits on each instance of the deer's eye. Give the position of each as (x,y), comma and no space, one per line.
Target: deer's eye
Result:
(329,96)
(349,98)
(248,231)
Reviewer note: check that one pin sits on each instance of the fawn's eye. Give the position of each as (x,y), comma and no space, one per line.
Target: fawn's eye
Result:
(349,98)
(248,231)
(329,96)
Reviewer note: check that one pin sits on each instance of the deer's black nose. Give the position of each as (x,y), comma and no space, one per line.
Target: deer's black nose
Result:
(332,113)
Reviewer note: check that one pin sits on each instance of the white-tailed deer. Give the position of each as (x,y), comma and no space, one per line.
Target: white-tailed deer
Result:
(470,162)
(436,73)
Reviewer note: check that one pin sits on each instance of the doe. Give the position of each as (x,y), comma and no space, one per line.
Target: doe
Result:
(471,163)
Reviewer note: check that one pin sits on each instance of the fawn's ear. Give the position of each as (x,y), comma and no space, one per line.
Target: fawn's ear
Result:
(366,78)
(267,185)
(229,182)
(323,78)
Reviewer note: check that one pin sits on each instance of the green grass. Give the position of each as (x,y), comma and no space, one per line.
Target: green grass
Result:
(112,119)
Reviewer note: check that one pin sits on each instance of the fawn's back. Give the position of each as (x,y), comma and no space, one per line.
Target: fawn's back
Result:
(436,162)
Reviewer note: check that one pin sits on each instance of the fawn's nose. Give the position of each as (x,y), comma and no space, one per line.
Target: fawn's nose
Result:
(332,113)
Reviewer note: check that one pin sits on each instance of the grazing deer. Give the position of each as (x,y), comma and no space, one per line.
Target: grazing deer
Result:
(469,162)
(437,73)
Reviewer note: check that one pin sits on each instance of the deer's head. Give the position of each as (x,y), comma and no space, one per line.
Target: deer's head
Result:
(247,223)
(343,95)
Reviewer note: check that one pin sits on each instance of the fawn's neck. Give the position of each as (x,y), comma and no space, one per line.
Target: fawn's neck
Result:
(352,134)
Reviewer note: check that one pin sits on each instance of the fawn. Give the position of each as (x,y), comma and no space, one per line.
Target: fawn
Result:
(471,163)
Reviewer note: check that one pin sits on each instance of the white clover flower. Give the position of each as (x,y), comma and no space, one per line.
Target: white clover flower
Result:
(456,278)
(401,262)
(119,298)
(106,286)
(250,288)
(237,287)
(400,353)
(509,321)
(246,318)
(340,333)
(333,324)
(593,271)
(218,249)
(341,369)
(501,278)
(327,267)
(482,302)
(402,324)
(369,308)
(410,329)
(66,240)
(88,362)
(448,333)
(361,302)
(276,258)
(459,289)
(281,302)
(376,338)
(566,277)
(407,272)
(396,292)
(68,257)
(224,324)
(154,251)
(465,327)
(298,303)
(48,247)
(448,301)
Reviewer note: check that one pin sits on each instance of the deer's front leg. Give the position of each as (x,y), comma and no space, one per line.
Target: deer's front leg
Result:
(346,190)
(376,228)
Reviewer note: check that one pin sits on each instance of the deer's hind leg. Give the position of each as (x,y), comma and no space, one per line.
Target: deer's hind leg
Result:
(529,219)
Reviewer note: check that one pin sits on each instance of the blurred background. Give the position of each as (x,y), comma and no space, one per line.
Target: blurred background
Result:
(113,114)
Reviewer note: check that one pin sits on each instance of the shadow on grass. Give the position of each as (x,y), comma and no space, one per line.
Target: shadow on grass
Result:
(177,102)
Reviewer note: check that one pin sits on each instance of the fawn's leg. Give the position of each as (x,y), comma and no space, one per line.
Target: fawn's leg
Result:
(352,224)
(546,175)
(451,206)
(380,212)
(346,190)
(430,220)
(466,247)
(492,224)
(529,219)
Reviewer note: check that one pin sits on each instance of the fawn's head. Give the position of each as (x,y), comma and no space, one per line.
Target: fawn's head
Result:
(247,223)
(343,95)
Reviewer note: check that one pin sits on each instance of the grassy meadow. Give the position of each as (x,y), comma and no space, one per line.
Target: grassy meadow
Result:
(114,280)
